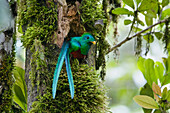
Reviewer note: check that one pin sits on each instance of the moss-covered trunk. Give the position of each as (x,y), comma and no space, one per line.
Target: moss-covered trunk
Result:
(45,24)
(7,54)
(7,58)
(6,66)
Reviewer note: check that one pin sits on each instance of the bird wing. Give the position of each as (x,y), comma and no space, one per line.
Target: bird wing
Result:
(69,74)
(59,65)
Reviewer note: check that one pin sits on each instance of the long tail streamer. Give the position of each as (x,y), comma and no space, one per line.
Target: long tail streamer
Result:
(69,74)
(59,65)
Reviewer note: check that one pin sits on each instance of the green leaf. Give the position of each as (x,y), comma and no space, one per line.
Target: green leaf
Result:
(19,74)
(149,38)
(129,3)
(151,14)
(149,71)
(164,93)
(137,2)
(157,111)
(168,97)
(140,22)
(122,11)
(165,14)
(167,64)
(147,110)
(20,88)
(127,22)
(148,5)
(165,2)
(159,71)
(148,20)
(140,65)
(19,98)
(146,66)
(146,102)
(166,79)
(136,29)
(158,35)
(146,90)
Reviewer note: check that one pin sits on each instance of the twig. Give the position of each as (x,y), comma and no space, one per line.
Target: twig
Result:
(131,37)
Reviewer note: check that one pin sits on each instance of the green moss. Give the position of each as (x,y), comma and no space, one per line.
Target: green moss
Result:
(6,67)
(6,84)
(39,18)
(38,65)
(91,11)
(40,22)
(89,93)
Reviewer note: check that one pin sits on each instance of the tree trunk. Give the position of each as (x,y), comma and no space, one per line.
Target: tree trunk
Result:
(45,24)
(6,66)
(7,58)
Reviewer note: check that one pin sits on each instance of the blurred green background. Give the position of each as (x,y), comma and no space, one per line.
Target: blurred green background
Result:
(123,78)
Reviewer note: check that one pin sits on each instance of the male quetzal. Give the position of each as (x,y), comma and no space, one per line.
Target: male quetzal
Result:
(75,45)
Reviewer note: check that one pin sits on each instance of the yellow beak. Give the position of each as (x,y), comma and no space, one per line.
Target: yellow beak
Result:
(94,42)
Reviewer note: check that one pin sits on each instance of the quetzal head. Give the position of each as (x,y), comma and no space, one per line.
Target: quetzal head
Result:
(88,38)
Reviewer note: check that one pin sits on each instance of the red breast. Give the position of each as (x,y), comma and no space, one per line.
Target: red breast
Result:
(77,54)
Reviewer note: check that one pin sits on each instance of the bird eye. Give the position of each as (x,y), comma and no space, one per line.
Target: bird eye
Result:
(87,37)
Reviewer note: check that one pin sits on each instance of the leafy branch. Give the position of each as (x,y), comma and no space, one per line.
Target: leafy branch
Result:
(154,96)
(137,34)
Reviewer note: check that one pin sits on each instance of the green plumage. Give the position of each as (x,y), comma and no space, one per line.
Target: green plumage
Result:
(81,44)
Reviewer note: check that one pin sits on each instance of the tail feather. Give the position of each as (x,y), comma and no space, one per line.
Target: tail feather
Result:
(69,74)
(59,65)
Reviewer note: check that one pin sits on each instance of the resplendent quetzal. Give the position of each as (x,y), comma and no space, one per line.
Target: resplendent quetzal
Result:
(75,45)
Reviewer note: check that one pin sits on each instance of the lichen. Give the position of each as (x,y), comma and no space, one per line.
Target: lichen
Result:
(138,46)
(89,93)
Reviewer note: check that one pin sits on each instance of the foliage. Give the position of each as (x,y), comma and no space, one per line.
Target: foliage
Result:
(154,71)
(19,88)
(151,10)
(146,102)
